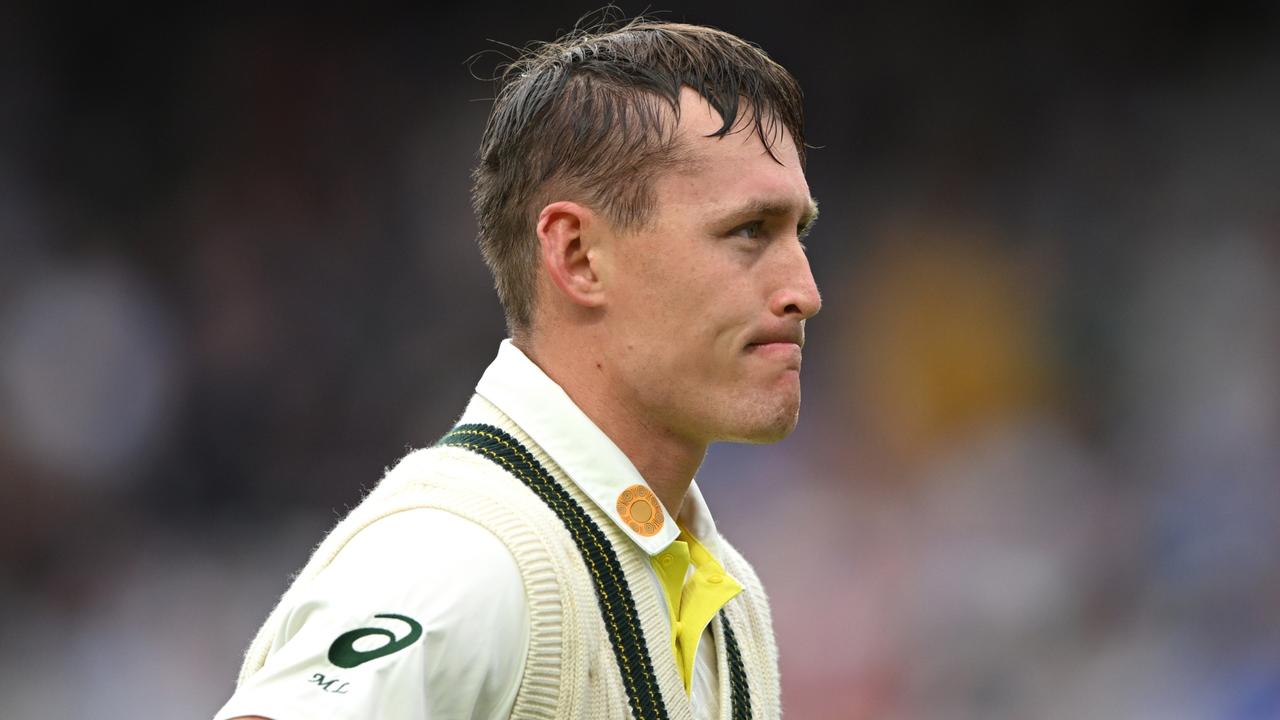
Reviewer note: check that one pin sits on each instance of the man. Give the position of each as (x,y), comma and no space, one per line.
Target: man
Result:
(641,203)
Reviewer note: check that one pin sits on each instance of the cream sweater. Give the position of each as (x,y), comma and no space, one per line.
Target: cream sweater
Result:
(598,642)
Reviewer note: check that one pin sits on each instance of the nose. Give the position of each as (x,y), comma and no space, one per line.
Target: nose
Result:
(797,295)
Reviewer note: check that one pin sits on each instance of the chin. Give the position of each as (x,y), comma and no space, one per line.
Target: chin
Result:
(765,424)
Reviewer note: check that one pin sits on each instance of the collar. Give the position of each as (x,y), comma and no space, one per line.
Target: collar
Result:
(542,409)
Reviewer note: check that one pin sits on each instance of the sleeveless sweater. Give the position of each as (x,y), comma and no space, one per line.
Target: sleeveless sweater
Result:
(598,639)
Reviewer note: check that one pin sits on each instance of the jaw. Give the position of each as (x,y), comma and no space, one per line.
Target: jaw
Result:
(764,415)
(731,393)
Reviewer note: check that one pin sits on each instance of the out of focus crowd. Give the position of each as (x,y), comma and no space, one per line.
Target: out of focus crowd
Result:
(1037,474)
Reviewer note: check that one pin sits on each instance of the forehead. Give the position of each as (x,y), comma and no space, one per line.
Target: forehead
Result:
(737,165)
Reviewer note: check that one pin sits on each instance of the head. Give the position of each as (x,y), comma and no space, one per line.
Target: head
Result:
(641,195)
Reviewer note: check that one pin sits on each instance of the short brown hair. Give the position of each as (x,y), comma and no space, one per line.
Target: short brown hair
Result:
(587,116)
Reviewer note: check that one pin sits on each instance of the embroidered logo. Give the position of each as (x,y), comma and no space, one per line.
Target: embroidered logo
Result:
(344,654)
(640,510)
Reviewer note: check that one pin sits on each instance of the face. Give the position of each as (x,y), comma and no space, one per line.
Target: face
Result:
(707,304)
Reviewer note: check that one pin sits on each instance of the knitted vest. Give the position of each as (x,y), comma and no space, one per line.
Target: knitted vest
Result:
(599,644)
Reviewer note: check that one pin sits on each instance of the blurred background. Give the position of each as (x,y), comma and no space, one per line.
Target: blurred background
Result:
(1038,470)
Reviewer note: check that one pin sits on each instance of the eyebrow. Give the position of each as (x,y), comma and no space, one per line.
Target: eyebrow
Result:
(770,208)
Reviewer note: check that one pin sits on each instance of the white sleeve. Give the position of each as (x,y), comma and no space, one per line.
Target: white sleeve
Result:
(422,615)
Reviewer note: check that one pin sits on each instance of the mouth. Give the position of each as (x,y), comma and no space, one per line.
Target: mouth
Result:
(773,346)
(784,351)
(790,338)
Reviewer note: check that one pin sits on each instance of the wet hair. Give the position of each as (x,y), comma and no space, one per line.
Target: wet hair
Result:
(591,117)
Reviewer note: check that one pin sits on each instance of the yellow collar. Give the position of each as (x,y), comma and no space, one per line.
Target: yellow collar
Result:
(696,586)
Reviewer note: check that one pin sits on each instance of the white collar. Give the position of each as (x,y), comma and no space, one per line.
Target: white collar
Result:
(542,409)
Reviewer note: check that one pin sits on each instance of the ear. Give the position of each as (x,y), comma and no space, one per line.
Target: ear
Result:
(568,243)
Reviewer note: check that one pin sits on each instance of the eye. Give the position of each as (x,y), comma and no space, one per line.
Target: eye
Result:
(750,230)
(802,232)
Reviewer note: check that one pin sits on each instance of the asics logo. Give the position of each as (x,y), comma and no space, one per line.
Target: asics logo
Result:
(344,654)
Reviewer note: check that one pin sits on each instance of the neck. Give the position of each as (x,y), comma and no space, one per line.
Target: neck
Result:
(666,461)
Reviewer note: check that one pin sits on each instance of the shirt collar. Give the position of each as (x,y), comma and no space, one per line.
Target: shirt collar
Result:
(542,409)
(695,517)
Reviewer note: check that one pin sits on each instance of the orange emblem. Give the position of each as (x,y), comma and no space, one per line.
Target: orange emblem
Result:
(640,509)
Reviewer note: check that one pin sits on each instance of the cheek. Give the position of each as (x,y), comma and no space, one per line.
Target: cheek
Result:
(667,288)
(684,304)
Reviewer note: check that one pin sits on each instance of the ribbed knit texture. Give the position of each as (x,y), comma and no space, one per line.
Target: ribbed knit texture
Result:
(570,670)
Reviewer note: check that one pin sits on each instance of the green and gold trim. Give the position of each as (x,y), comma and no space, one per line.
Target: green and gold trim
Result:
(617,605)
(739,691)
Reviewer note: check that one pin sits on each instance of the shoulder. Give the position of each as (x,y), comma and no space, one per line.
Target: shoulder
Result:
(406,547)
(425,558)
(421,610)
(436,466)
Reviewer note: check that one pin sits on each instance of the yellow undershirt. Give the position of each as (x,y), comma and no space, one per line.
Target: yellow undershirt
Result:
(693,598)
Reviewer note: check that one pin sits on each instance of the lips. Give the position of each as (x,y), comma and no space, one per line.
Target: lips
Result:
(778,345)
(780,336)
